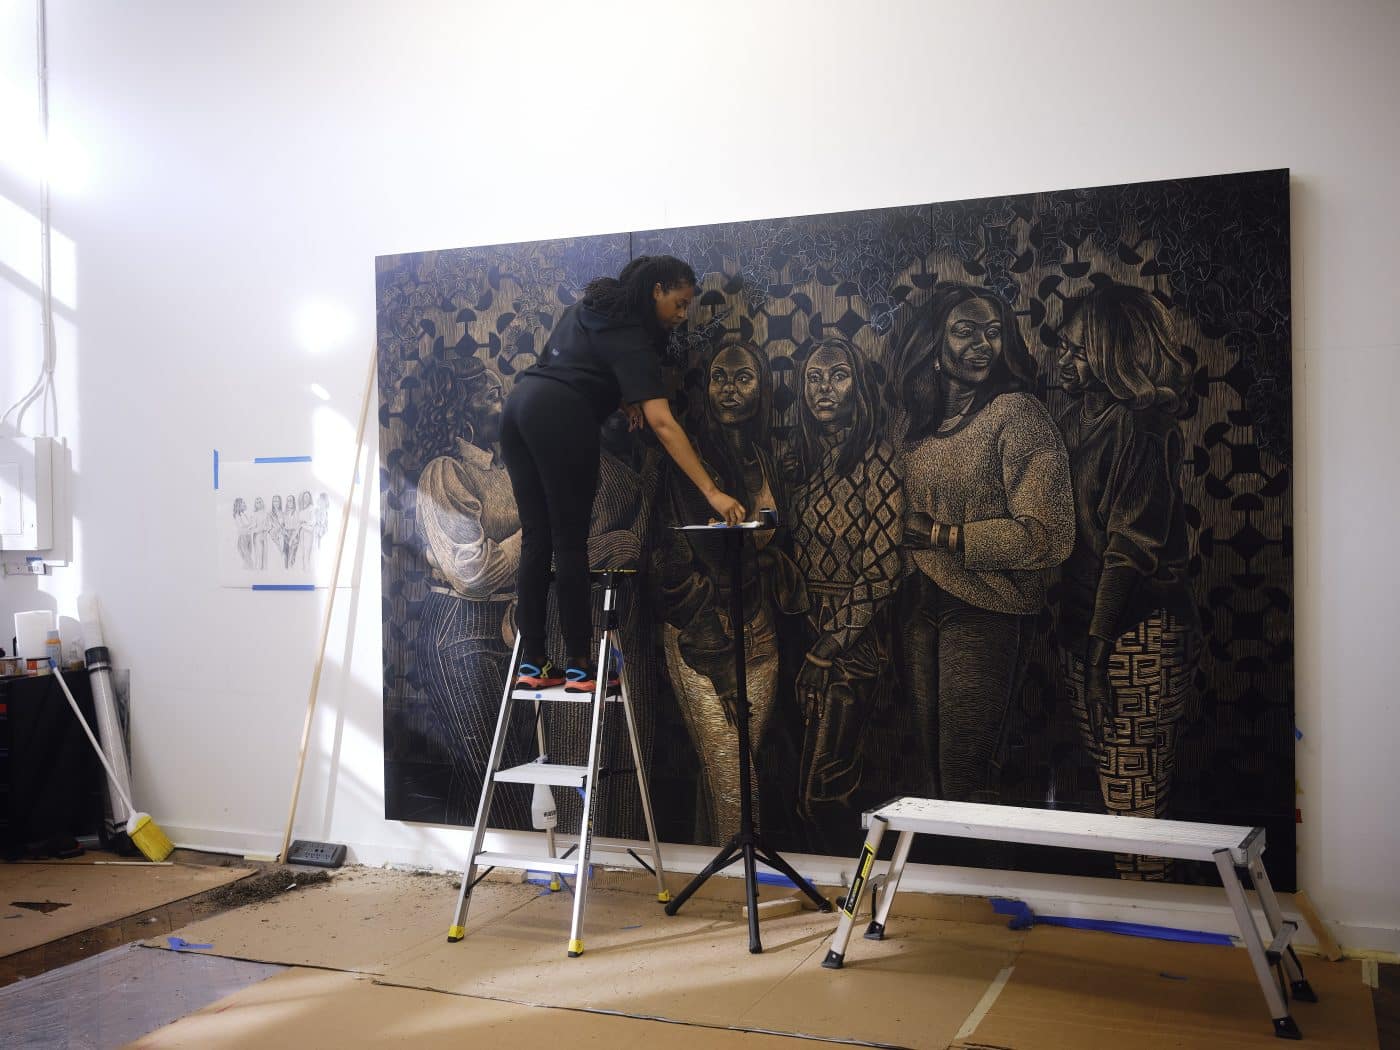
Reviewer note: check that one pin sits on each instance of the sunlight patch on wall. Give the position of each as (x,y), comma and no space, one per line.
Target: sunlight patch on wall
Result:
(322,327)
(21,252)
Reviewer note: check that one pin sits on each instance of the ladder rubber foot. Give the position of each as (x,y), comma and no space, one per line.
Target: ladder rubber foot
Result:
(554,885)
(755,949)
(672,907)
(824,906)
(833,960)
(664,896)
(875,931)
(1302,991)
(575,949)
(1286,1028)
(455,934)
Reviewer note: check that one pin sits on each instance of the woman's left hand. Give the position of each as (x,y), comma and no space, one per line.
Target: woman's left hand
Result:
(635,419)
(813,679)
(918,530)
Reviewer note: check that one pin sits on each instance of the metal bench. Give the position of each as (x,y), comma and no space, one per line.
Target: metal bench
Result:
(1230,848)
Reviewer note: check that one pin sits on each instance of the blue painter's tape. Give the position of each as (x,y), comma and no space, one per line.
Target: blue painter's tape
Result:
(282,459)
(284,586)
(773,879)
(179,944)
(1297,733)
(1022,918)
(216,470)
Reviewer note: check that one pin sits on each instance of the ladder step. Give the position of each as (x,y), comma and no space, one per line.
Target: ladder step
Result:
(486,859)
(1281,940)
(560,695)
(544,773)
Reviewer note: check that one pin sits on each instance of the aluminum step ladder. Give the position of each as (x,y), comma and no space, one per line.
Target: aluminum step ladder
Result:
(585,778)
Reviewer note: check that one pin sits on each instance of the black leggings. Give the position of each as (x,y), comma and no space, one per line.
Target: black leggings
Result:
(549,440)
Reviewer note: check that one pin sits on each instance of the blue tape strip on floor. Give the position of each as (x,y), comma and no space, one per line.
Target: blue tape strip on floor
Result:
(1022,918)
(216,470)
(284,587)
(773,879)
(281,459)
(179,944)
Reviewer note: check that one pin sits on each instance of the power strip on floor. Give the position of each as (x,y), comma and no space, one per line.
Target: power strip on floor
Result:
(316,854)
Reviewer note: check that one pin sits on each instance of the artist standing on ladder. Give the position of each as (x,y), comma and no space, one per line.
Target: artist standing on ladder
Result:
(603,355)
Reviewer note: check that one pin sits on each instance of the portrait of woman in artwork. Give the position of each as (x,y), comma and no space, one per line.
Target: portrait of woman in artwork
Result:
(470,532)
(1128,629)
(988,508)
(694,598)
(847,520)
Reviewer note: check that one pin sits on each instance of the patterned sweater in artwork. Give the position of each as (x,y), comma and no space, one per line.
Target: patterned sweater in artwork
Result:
(846,531)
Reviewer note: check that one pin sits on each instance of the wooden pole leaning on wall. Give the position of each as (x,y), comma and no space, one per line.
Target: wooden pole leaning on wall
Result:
(330,606)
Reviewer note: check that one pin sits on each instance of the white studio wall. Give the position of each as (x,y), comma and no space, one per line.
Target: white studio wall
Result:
(230,173)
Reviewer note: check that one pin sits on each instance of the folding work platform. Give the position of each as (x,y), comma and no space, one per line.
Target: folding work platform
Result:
(1230,848)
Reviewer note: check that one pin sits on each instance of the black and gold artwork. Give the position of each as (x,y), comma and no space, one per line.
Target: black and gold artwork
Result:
(1031,457)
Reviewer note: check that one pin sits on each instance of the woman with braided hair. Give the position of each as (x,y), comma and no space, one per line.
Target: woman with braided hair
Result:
(603,355)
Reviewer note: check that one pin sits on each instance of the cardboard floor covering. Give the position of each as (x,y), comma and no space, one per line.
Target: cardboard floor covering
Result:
(694,968)
(349,1012)
(358,921)
(932,983)
(92,894)
(1082,990)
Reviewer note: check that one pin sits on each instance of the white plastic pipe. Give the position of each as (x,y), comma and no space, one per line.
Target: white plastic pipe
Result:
(104,703)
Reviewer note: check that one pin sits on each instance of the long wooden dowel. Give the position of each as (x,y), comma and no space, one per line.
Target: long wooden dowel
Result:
(330,606)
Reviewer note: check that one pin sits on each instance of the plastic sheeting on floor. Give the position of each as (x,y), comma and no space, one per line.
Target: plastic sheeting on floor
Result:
(120,995)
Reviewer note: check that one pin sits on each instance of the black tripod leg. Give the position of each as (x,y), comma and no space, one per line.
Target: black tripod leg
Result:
(751,890)
(727,855)
(776,862)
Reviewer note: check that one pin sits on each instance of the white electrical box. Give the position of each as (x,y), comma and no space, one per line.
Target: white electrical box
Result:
(27,469)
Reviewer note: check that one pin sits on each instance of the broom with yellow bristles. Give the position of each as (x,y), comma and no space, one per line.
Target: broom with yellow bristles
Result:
(144,832)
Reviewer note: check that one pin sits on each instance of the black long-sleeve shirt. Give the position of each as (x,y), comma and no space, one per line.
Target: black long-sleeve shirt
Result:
(1131,551)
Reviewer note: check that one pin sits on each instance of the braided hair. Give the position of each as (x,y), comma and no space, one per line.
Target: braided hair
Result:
(628,295)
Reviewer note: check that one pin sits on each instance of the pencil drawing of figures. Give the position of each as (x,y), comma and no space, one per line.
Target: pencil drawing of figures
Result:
(258,530)
(470,530)
(847,520)
(734,445)
(275,531)
(988,508)
(1128,630)
(322,524)
(265,539)
(289,532)
(302,549)
(243,522)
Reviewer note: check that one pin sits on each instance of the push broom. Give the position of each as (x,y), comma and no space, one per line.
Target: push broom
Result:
(144,833)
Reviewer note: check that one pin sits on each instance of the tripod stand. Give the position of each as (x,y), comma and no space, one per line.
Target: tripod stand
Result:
(746,843)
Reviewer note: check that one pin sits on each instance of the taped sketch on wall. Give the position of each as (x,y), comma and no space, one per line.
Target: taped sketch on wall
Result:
(272,520)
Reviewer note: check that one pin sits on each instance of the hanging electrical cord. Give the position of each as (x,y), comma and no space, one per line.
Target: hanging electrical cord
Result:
(43,389)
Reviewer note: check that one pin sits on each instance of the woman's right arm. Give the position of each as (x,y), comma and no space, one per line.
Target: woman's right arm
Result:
(673,439)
